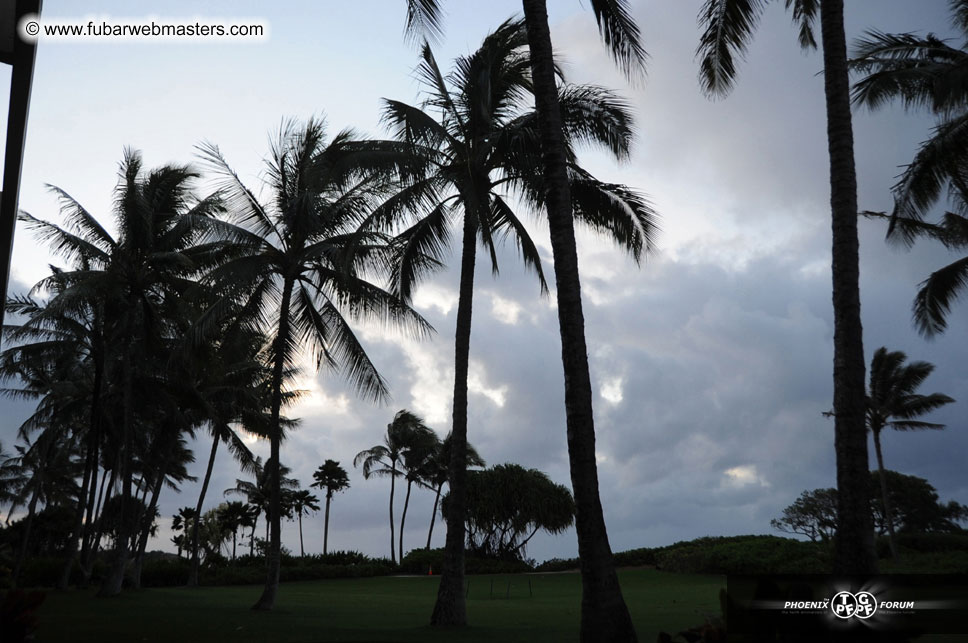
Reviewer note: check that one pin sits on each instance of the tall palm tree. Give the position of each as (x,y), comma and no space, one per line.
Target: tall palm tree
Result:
(481,148)
(236,515)
(926,72)
(333,478)
(303,502)
(298,270)
(892,402)
(383,460)
(729,26)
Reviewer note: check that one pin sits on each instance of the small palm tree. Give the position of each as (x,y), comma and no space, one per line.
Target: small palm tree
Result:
(296,261)
(182,522)
(892,402)
(333,478)
(303,502)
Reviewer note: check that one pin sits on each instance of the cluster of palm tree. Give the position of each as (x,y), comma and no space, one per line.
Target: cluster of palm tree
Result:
(412,451)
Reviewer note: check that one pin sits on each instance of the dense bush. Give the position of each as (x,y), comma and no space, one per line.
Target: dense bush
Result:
(929,562)
(558,565)
(421,561)
(164,572)
(635,557)
(744,555)
(933,542)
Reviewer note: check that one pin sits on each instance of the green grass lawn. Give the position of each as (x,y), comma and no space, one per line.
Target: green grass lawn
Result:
(373,609)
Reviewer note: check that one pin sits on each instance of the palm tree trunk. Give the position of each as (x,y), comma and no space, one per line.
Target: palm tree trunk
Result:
(235,537)
(252,537)
(302,551)
(403,517)
(88,567)
(146,527)
(94,504)
(274,559)
(393,480)
(433,516)
(885,498)
(22,555)
(193,571)
(604,614)
(329,496)
(89,479)
(451,607)
(854,541)
(111,586)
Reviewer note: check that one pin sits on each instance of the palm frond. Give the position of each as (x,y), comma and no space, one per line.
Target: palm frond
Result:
(728,27)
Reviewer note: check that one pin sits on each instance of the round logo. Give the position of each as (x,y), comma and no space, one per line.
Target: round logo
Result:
(846,605)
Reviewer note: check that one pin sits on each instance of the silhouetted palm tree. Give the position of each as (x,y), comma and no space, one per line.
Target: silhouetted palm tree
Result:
(892,402)
(331,477)
(729,26)
(481,142)
(303,502)
(926,72)
(383,460)
(298,271)
(137,279)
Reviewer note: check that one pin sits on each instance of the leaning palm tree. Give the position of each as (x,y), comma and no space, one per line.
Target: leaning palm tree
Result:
(299,273)
(333,478)
(303,502)
(892,402)
(383,460)
(728,28)
(478,133)
(413,462)
(926,72)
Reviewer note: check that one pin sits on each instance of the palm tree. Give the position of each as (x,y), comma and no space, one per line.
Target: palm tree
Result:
(892,402)
(182,522)
(921,72)
(295,261)
(482,147)
(333,478)
(303,502)
(383,460)
(925,72)
(137,279)
(258,493)
(729,26)
(236,515)
(413,463)
(434,474)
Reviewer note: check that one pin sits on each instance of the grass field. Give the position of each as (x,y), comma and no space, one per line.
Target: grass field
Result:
(500,610)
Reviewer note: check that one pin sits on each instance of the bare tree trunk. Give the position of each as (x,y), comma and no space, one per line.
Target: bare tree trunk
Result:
(854,542)
(89,480)
(885,498)
(274,557)
(393,480)
(111,586)
(604,615)
(302,551)
(403,517)
(146,528)
(329,496)
(193,571)
(451,607)
(433,516)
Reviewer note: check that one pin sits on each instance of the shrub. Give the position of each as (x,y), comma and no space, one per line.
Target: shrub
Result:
(745,555)
(420,561)
(164,572)
(558,565)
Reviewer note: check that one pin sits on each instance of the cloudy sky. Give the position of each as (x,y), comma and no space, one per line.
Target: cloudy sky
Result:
(711,362)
